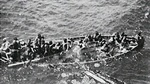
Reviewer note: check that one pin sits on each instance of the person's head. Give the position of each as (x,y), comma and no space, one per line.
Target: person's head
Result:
(50,42)
(117,33)
(21,41)
(89,36)
(139,33)
(81,41)
(42,37)
(15,39)
(39,36)
(65,40)
(96,33)
(43,42)
(80,46)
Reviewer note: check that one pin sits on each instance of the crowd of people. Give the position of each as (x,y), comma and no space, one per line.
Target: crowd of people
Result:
(112,45)
(19,50)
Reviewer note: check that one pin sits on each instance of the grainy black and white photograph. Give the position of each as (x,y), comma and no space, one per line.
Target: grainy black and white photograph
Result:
(74,41)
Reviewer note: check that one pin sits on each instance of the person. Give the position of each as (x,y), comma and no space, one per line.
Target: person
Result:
(140,40)
(58,48)
(102,42)
(5,48)
(90,38)
(122,35)
(5,45)
(97,37)
(15,49)
(43,47)
(124,41)
(86,39)
(50,47)
(65,45)
(22,43)
(106,49)
(30,50)
(47,49)
(117,37)
(112,41)
(69,44)
(37,44)
(39,39)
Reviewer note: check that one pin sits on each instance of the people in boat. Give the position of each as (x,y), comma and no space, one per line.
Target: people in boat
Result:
(43,48)
(15,49)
